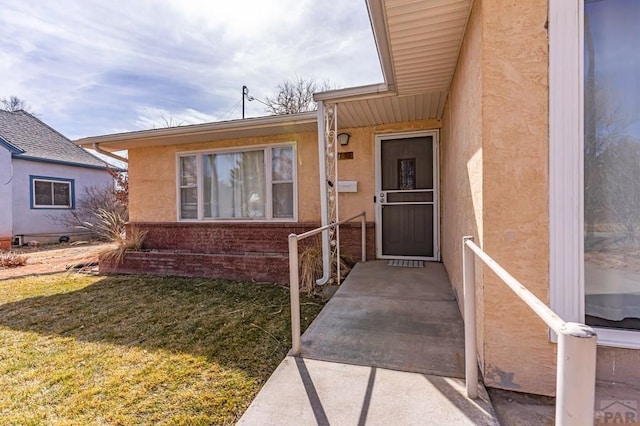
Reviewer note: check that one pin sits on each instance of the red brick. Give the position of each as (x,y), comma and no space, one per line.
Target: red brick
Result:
(242,251)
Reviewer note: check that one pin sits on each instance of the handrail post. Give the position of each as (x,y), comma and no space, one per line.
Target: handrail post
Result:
(294,292)
(363,229)
(576,375)
(469,294)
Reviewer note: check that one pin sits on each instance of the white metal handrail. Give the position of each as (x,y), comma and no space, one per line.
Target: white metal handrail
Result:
(577,344)
(294,283)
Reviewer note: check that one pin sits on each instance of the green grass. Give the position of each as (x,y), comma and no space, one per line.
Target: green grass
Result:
(138,350)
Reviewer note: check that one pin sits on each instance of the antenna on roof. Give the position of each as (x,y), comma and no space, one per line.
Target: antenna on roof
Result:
(247,96)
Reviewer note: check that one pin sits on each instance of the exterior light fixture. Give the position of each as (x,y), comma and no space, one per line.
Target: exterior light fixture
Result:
(343,138)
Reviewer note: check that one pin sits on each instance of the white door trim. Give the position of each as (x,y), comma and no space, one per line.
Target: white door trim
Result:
(435,133)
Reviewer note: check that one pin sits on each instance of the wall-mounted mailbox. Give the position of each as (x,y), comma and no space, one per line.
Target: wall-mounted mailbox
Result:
(348,186)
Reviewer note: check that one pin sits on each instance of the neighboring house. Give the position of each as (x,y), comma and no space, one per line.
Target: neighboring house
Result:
(42,176)
(477,130)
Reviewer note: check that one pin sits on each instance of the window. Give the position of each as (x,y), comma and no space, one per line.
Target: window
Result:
(612,164)
(51,193)
(188,188)
(595,166)
(249,184)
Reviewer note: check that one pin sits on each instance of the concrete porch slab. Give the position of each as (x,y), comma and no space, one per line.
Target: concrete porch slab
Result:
(311,392)
(391,317)
(387,349)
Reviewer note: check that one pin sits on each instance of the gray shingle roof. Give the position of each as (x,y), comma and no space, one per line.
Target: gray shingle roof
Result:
(39,141)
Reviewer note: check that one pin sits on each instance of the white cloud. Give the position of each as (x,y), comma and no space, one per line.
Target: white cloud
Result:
(89,67)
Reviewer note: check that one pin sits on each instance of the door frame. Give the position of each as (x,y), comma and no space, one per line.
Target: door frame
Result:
(435,134)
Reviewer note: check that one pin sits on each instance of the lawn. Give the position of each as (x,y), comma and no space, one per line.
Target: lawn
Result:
(138,350)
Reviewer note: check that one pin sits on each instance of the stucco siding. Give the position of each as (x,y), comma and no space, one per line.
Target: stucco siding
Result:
(462,162)
(153,176)
(517,351)
(152,172)
(35,222)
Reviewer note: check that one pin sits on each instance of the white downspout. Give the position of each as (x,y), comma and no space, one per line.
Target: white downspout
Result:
(324,210)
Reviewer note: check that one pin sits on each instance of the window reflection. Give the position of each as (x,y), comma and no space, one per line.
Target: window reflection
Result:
(612,163)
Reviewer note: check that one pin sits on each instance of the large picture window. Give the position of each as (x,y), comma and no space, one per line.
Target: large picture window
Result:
(594,153)
(51,193)
(612,163)
(248,184)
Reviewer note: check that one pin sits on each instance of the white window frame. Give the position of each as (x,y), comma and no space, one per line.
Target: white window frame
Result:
(52,181)
(566,170)
(267,148)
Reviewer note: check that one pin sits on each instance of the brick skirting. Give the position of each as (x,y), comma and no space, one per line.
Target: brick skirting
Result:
(5,243)
(250,267)
(240,251)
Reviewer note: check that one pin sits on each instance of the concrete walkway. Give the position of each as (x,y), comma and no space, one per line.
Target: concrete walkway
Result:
(387,349)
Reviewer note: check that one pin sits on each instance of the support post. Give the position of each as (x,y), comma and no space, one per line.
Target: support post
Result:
(294,284)
(324,208)
(576,375)
(469,294)
(363,230)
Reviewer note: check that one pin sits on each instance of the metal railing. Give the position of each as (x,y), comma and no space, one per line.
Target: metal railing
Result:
(294,280)
(577,343)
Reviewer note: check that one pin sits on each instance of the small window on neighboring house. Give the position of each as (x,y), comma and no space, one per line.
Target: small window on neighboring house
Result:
(51,193)
(248,184)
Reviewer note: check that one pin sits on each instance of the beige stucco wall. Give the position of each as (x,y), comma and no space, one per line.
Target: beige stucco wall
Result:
(495,183)
(153,172)
(518,354)
(152,176)
(461,163)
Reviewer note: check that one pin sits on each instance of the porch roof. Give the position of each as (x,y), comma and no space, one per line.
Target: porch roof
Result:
(418,44)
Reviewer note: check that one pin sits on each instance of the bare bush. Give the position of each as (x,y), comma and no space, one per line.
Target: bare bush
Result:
(133,240)
(101,210)
(11,259)
(311,268)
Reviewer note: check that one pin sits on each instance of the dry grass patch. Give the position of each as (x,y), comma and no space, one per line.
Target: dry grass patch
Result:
(138,350)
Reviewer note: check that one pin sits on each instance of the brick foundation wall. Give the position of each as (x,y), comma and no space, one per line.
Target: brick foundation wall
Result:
(5,243)
(254,267)
(241,251)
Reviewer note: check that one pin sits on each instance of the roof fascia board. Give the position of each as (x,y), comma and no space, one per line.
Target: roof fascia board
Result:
(60,162)
(12,148)
(378,19)
(196,129)
(354,93)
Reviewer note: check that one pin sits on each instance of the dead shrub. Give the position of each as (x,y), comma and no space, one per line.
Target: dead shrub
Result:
(11,259)
(311,268)
(133,240)
(102,211)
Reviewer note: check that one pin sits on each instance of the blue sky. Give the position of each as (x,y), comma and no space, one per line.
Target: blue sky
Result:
(92,67)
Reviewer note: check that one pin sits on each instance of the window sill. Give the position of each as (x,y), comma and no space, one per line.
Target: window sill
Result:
(618,338)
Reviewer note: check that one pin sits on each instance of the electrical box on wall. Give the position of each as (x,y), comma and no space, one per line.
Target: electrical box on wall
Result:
(348,186)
